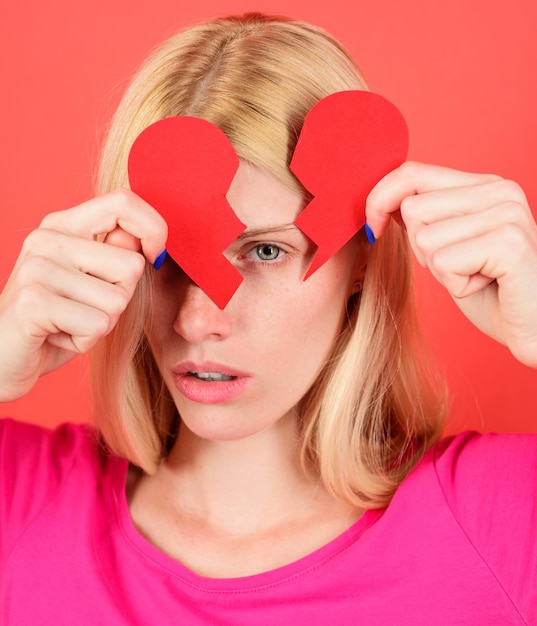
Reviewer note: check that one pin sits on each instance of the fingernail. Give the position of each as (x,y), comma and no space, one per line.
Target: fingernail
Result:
(160,260)
(369,234)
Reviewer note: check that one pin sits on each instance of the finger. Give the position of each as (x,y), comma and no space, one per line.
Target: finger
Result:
(45,250)
(110,297)
(122,239)
(42,314)
(431,206)
(64,342)
(503,252)
(118,210)
(426,238)
(409,179)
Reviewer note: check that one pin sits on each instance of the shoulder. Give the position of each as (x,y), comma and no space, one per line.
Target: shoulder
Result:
(37,463)
(489,481)
(473,467)
(486,467)
(31,434)
(27,448)
(489,484)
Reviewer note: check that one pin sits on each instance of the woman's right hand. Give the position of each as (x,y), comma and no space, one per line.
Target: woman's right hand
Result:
(74,277)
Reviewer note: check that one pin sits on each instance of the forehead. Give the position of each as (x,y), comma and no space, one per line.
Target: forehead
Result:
(260,200)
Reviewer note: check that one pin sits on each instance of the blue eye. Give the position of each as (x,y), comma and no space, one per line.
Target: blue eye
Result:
(267,252)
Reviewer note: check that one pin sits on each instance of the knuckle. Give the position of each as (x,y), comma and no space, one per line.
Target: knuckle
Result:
(37,241)
(514,213)
(29,299)
(514,235)
(411,169)
(456,289)
(50,220)
(491,178)
(510,191)
(439,262)
(121,197)
(421,240)
(456,285)
(138,264)
(100,326)
(408,206)
(34,267)
(97,325)
(128,266)
(510,213)
(124,200)
(135,266)
(118,302)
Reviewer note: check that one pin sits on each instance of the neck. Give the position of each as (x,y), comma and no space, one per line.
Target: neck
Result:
(236,508)
(250,483)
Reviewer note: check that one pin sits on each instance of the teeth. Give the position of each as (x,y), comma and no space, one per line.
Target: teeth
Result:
(210,376)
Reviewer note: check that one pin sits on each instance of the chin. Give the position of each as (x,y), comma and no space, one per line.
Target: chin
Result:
(215,429)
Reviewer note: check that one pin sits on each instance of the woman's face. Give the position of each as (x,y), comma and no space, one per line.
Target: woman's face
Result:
(237,371)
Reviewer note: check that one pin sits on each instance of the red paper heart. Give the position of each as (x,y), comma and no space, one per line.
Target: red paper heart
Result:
(183,167)
(349,141)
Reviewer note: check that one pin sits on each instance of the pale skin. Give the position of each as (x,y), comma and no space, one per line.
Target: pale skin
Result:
(477,235)
(231,499)
(245,504)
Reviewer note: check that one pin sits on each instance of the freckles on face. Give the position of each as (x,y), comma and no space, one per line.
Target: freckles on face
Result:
(276,292)
(277,328)
(299,321)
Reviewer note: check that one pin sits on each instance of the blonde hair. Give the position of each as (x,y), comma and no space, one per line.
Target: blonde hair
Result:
(375,407)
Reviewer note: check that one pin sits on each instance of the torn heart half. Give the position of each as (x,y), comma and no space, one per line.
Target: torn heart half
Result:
(183,167)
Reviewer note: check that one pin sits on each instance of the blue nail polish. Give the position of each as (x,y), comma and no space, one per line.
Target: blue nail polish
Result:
(160,260)
(369,234)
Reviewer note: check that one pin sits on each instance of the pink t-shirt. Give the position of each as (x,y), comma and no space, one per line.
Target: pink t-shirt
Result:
(457,545)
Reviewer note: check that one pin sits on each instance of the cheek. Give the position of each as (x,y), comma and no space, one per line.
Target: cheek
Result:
(321,319)
(160,315)
(322,309)
(298,325)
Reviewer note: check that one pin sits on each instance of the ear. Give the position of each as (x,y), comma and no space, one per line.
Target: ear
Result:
(360,264)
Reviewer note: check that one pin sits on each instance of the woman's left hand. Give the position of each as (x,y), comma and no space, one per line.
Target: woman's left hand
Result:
(478,237)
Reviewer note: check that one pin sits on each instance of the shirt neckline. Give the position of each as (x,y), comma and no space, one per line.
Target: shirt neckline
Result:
(150,553)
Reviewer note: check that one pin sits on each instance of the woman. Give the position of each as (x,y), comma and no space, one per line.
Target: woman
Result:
(276,460)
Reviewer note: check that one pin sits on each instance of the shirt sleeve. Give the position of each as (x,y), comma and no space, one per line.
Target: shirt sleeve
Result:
(34,464)
(490,483)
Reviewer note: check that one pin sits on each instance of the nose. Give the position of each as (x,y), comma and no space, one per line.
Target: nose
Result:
(199,318)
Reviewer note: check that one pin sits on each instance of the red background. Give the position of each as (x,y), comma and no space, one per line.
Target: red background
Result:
(463,72)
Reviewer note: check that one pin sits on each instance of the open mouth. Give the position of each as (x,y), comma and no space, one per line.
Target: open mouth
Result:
(210,382)
(211,376)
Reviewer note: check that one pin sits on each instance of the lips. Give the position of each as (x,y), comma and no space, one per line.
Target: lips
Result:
(209,382)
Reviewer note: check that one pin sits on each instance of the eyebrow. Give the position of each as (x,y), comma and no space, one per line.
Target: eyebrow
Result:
(265,230)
